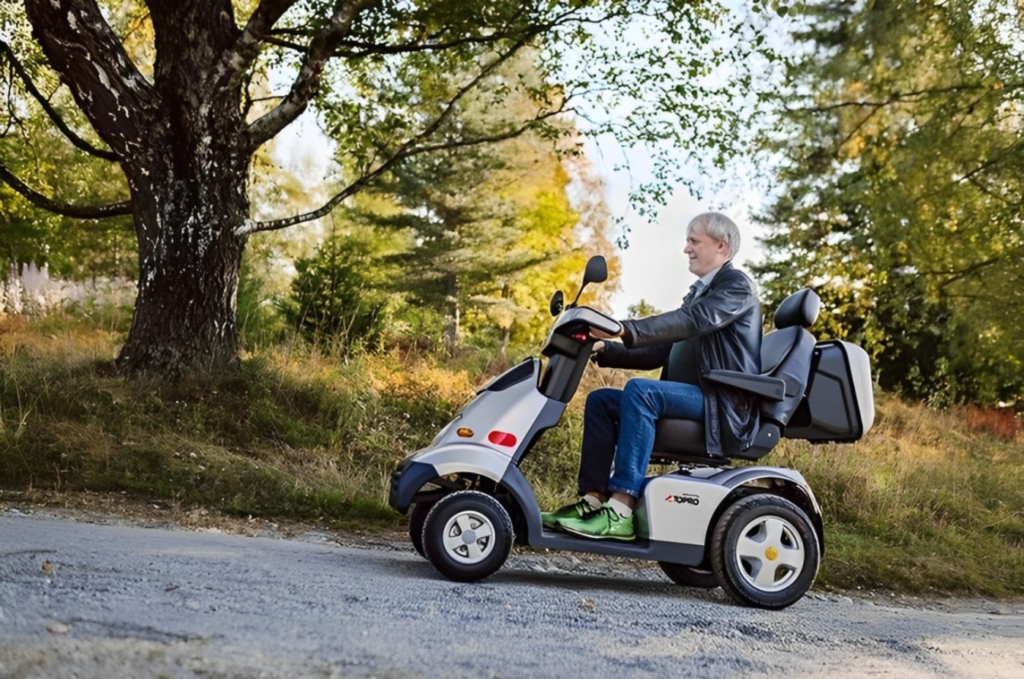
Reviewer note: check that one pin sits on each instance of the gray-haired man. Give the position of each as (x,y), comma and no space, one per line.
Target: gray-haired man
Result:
(717,326)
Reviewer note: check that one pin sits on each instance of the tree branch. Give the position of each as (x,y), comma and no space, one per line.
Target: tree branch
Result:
(989,192)
(234,63)
(899,97)
(358,49)
(956,275)
(106,85)
(365,179)
(311,70)
(410,147)
(65,209)
(58,121)
(981,167)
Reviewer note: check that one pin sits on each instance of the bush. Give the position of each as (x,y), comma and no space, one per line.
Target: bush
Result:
(333,300)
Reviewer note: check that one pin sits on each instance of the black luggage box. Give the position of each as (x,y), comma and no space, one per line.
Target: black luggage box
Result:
(839,404)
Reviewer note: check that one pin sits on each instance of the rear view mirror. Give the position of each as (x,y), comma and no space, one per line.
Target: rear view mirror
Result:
(557,302)
(596,271)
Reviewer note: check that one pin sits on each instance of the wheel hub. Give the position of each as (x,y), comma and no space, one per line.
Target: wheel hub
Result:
(469,537)
(770,553)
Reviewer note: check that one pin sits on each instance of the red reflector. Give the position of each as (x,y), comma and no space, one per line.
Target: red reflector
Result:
(501,438)
(581,337)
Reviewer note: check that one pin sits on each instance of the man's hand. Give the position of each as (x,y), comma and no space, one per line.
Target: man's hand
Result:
(598,347)
(600,334)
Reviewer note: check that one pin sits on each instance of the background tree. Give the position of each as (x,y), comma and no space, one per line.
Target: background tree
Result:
(461,236)
(900,189)
(177,114)
(565,221)
(487,237)
(29,143)
(337,298)
(641,309)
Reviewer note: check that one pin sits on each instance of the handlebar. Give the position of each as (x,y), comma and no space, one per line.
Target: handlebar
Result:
(570,335)
(581,319)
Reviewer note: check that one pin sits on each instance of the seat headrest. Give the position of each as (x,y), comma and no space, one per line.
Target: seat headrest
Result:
(801,308)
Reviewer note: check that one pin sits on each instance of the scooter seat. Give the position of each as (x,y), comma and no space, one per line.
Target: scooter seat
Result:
(678,440)
(786,354)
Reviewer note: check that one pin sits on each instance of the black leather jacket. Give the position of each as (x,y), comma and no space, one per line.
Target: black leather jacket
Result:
(727,321)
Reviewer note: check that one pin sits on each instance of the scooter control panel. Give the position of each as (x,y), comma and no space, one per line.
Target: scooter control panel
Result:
(583,318)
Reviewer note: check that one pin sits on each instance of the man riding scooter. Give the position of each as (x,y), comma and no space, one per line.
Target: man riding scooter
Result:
(718,326)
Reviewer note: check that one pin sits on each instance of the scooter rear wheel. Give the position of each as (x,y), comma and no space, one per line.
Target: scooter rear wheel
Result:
(467,536)
(765,551)
(688,576)
(417,517)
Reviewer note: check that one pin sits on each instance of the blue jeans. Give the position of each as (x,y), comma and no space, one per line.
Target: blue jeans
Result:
(618,431)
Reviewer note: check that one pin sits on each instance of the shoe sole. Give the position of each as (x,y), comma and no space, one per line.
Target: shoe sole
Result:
(630,538)
(553,525)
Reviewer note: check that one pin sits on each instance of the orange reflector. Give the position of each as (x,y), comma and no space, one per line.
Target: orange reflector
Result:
(464,432)
(501,438)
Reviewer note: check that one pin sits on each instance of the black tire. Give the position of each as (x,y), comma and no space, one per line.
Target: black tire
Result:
(688,576)
(417,517)
(455,515)
(792,554)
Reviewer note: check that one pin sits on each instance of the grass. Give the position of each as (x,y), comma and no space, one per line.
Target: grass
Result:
(292,434)
(927,501)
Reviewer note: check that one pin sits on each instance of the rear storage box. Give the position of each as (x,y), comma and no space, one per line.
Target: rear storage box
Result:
(839,405)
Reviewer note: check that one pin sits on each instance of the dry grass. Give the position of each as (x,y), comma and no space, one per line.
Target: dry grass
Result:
(294,433)
(928,500)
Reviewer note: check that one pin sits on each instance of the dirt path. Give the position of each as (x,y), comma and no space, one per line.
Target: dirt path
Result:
(85,600)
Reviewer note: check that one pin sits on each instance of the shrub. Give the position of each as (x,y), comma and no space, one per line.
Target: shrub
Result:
(333,300)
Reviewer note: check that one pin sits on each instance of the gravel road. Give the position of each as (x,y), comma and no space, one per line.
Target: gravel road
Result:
(108,601)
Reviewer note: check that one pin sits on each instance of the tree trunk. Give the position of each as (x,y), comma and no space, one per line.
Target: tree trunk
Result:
(451,313)
(187,178)
(189,260)
(183,145)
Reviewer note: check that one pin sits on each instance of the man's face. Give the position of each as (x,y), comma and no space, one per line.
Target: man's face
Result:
(706,254)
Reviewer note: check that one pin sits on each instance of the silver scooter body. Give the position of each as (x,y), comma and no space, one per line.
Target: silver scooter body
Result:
(495,431)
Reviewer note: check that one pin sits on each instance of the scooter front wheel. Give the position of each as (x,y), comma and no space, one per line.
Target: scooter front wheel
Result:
(467,536)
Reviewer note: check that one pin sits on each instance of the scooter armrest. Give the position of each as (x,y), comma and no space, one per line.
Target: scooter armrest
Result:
(766,387)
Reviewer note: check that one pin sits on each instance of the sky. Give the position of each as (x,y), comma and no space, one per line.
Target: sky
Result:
(654,267)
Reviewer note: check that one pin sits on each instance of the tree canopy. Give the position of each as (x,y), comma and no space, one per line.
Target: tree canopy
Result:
(181,96)
(899,188)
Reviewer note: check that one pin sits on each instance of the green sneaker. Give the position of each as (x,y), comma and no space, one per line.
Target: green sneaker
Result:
(603,524)
(575,511)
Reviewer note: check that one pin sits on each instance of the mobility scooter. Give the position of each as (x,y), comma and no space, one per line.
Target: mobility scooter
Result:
(755,531)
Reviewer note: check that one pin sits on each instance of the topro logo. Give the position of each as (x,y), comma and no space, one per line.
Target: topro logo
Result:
(683,499)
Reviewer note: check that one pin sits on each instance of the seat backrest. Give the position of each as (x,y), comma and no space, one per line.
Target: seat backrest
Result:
(786,352)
